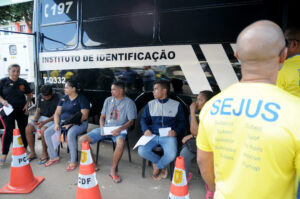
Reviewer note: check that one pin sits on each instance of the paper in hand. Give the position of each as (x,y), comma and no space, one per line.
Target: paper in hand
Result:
(8,110)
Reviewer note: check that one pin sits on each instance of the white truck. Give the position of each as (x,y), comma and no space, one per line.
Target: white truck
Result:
(17,49)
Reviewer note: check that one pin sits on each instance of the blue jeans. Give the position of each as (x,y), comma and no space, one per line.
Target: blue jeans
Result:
(169,146)
(73,132)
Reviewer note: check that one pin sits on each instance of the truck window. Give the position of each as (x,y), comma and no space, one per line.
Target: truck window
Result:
(210,21)
(59,37)
(58,24)
(118,23)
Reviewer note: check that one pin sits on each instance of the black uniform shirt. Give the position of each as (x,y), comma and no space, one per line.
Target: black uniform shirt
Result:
(48,106)
(13,92)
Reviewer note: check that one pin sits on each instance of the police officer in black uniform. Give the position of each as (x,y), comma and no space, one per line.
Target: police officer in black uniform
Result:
(13,91)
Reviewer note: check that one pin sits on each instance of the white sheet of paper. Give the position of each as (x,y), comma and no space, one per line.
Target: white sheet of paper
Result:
(56,139)
(108,130)
(8,110)
(164,131)
(143,141)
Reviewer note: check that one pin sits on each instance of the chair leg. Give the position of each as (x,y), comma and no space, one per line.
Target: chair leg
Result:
(58,149)
(97,153)
(77,149)
(171,169)
(143,167)
(128,148)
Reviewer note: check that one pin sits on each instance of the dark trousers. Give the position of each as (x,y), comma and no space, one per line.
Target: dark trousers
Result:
(9,125)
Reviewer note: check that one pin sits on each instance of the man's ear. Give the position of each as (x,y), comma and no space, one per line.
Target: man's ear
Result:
(236,55)
(283,55)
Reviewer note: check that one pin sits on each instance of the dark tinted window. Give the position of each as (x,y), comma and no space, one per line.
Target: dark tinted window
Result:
(206,21)
(172,4)
(119,31)
(117,23)
(59,37)
(58,11)
(96,8)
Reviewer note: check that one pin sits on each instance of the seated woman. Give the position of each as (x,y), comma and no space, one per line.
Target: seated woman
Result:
(189,148)
(69,105)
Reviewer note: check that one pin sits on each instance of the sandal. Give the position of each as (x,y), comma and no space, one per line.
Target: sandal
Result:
(31,158)
(156,177)
(164,173)
(116,178)
(43,160)
(209,194)
(71,167)
(51,162)
(96,168)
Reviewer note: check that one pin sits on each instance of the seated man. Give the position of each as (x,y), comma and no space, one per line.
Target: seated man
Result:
(43,118)
(118,111)
(160,115)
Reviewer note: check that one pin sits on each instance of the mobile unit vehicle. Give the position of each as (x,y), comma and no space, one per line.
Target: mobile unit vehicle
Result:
(93,40)
(17,49)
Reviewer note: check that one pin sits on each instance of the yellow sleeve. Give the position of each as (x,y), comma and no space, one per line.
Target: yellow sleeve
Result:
(281,79)
(297,157)
(202,140)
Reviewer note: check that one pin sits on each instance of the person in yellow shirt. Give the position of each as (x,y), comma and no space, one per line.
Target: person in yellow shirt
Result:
(289,75)
(248,143)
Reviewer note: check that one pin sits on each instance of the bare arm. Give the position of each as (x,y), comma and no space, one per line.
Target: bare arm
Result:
(3,101)
(28,99)
(205,162)
(37,115)
(57,117)
(193,123)
(102,120)
(85,114)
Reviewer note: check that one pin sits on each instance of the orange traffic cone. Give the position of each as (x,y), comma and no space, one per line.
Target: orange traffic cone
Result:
(87,182)
(179,188)
(21,176)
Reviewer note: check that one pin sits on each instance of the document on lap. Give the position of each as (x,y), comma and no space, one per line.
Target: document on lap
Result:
(143,141)
(108,130)
(8,110)
(164,131)
(56,139)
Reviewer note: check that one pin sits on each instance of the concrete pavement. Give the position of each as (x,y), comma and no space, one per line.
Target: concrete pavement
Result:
(63,185)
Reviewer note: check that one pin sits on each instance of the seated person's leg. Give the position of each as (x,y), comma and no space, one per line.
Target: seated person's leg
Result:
(120,142)
(48,134)
(146,150)
(188,157)
(72,134)
(92,137)
(44,156)
(30,128)
(169,145)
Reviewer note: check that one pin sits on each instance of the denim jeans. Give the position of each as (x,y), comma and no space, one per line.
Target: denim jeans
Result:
(73,132)
(169,146)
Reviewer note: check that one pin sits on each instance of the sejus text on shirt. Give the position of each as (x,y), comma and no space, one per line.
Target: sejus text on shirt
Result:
(253,131)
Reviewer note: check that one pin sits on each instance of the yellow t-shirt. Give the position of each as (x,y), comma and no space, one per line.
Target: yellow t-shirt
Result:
(253,130)
(289,76)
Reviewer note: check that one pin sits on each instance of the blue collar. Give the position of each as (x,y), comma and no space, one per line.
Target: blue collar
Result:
(163,101)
